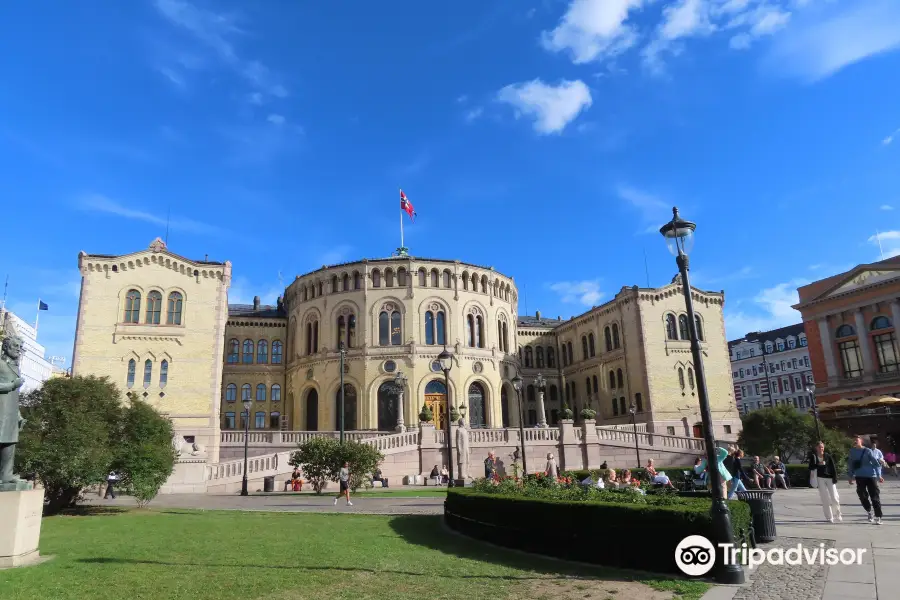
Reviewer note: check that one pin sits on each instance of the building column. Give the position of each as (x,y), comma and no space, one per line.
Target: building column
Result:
(827,349)
(542,415)
(400,421)
(895,313)
(862,334)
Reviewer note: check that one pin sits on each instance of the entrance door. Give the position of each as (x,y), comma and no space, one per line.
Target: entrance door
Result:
(438,405)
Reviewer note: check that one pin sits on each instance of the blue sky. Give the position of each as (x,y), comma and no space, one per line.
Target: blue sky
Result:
(548,138)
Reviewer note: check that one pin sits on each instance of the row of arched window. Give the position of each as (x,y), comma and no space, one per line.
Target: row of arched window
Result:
(247,393)
(681,331)
(690,378)
(534,357)
(883,339)
(148,373)
(238,353)
(259,420)
(153,309)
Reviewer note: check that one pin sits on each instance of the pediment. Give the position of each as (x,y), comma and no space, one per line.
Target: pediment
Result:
(862,279)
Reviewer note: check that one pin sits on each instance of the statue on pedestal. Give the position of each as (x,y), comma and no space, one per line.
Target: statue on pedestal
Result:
(10,418)
(462,450)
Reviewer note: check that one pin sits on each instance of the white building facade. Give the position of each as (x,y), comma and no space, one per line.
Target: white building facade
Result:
(34,368)
(771,368)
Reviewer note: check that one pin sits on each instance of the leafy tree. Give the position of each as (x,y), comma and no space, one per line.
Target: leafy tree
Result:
(321,460)
(783,431)
(363,460)
(146,457)
(71,435)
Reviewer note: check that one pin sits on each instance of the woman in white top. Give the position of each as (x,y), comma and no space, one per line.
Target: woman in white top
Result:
(550,470)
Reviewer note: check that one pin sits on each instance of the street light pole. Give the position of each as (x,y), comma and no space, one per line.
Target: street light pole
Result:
(811,389)
(341,415)
(517,384)
(446,361)
(247,406)
(679,235)
(633,409)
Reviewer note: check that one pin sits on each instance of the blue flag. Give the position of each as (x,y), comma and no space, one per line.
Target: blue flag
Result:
(43,306)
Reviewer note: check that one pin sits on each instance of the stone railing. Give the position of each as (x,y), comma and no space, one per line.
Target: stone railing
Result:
(236,438)
(641,427)
(394,441)
(259,466)
(605,434)
(488,436)
(543,434)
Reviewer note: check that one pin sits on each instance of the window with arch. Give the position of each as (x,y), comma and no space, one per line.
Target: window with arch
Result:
(334,284)
(349,407)
(376,278)
(612,380)
(607,338)
(615,408)
(274,420)
(423,278)
(529,355)
(885,343)
(529,393)
(388,278)
(681,378)
(880,322)
(320,291)
(276,393)
(690,372)
(154,308)
(345,283)
(615,331)
(447,280)
(234,348)
(475,329)
(341,331)
(671,328)
(132,306)
(850,355)
(262,352)
(357,281)
(683,329)
(554,393)
(596,387)
(163,373)
(312,336)
(638,402)
(584,347)
(465,280)
(261,392)
(132,367)
(389,326)
(247,352)
(844,331)
(619,379)
(276,352)
(551,357)
(148,373)
(587,386)
(305,294)
(259,420)
(401,277)
(435,326)
(591,344)
(245,393)
(435,278)
(174,308)
(563,354)
(231,393)
(539,357)
(571,353)
(699,327)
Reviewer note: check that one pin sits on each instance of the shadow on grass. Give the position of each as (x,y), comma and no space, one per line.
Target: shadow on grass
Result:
(89,511)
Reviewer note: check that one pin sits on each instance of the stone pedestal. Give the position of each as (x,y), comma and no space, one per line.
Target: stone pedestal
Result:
(20,527)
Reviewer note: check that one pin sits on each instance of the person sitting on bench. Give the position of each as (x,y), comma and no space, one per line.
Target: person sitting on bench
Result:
(289,484)
(377,476)
(435,475)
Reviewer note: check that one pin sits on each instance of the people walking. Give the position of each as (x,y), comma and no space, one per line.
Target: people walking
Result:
(344,481)
(864,469)
(822,464)
(737,475)
(111,480)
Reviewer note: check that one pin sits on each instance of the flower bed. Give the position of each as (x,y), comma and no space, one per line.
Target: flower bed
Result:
(614,528)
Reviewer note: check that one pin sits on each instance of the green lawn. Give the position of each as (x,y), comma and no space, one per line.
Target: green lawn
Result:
(196,555)
(424,492)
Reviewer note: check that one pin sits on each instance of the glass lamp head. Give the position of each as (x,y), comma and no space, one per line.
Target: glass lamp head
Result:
(517,383)
(811,388)
(446,360)
(247,406)
(679,234)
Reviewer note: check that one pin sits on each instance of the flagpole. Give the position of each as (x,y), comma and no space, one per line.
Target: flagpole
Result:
(401,230)
(37,317)
(880,249)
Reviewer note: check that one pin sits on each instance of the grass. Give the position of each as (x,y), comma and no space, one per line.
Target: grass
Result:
(206,555)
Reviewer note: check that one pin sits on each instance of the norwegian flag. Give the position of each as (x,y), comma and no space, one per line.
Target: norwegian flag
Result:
(407,207)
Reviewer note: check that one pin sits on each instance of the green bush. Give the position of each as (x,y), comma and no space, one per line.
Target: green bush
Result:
(321,460)
(146,457)
(639,532)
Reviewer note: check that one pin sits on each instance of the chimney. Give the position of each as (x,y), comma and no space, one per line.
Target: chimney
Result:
(255,302)
(538,315)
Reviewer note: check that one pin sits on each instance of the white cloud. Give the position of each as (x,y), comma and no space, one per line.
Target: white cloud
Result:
(276,119)
(583,292)
(887,141)
(769,309)
(551,107)
(746,272)
(593,29)
(654,210)
(102,204)
(462,99)
(886,207)
(819,48)
(473,114)
(887,242)
(242,291)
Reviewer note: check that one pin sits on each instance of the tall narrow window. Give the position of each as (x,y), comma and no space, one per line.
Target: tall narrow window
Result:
(309,338)
(132,306)
(388,278)
(230,393)
(571,353)
(539,357)
(465,281)
(276,393)
(351,331)
(274,420)
(565,357)
(234,348)
(886,352)
(615,407)
(683,327)
(174,306)
(245,392)
(396,332)
(529,355)
(584,347)
(148,373)
(612,380)
(357,282)
(470,331)
(429,328)
(384,329)
(260,420)
(671,328)
(479,332)
(262,352)
(423,278)
(619,379)
(154,308)
(315,337)
(615,329)
(441,328)
(638,403)
(132,367)
(587,386)
(850,358)
(376,278)
(247,353)
(228,422)
(447,279)
(163,373)
(690,377)
(591,344)
(341,331)
(261,392)
(596,387)
(401,277)
(699,327)
(276,352)
(681,377)
(435,278)
(551,357)
(608,335)
(345,283)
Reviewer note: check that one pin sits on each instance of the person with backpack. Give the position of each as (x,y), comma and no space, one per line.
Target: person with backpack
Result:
(864,469)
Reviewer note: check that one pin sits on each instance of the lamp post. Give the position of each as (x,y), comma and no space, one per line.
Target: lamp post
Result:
(811,389)
(400,381)
(247,405)
(446,361)
(341,410)
(517,383)
(540,383)
(633,410)
(679,236)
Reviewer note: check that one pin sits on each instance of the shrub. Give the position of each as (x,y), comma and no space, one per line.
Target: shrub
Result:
(640,534)
(426,415)
(321,460)
(145,456)
(363,460)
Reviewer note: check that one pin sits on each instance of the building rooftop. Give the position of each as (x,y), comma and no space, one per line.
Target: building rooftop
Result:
(538,321)
(263,311)
(770,336)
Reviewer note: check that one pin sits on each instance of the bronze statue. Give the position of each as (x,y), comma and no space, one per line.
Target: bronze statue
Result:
(10,418)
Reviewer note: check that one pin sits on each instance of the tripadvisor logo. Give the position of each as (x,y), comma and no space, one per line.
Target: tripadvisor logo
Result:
(695,555)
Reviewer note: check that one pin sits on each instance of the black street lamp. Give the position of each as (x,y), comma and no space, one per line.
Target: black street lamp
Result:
(811,389)
(633,410)
(517,383)
(679,235)
(446,361)
(247,405)
(341,415)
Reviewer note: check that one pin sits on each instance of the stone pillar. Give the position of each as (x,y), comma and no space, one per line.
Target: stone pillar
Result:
(828,350)
(542,415)
(591,443)
(401,426)
(20,529)
(862,333)
(571,455)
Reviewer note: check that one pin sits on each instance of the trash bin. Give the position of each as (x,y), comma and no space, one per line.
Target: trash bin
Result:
(269,484)
(762,513)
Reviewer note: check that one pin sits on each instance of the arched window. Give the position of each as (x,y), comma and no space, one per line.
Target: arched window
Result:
(435,278)
(608,335)
(681,377)
(619,379)
(615,330)
(539,357)
(384,328)
(484,284)
(465,280)
(357,283)
(571,354)
(401,277)
(447,279)
(423,278)
(479,332)
(470,331)
(174,307)
(584,347)
(349,407)
(529,393)
(341,330)
(387,407)
(276,352)
(376,278)
(334,284)
(262,352)
(844,331)
(230,393)
(551,357)
(132,306)
(880,322)
(683,330)
(163,373)
(261,392)
(477,406)
(591,344)
(319,292)
(274,420)
(388,278)
(312,410)
(587,386)
(690,377)
(247,352)
(276,393)
(638,403)
(699,327)
(671,328)
(554,393)
(396,333)
(305,294)
(132,367)
(612,380)
(441,328)
(312,337)
(351,331)
(245,392)
(529,356)
(148,373)
(565,356)
(345,283)
(615,407)
(435,328)
(429,328)
(259,420)
(596,387)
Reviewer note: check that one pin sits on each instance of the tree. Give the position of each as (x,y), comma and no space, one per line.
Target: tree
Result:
(783,431)
(321,460)
(71,435)
(146,457)
(363,460)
